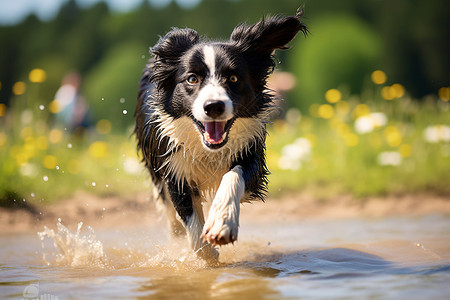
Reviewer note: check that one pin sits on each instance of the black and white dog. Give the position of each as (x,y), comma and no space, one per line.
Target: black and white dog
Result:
(200,124)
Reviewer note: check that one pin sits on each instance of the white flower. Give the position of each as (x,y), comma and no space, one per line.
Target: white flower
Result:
(389,158)
(286,163)
(132,166)
(369,122)
(293,116)
(292,155)
(437,133)
(29,170)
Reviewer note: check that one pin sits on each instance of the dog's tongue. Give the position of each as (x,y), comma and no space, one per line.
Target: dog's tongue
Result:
(214,132)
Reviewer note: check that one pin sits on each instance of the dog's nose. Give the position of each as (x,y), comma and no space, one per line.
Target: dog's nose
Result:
(214,108)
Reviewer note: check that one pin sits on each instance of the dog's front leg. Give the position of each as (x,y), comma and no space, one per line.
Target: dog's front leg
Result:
(189,209)
(222,224)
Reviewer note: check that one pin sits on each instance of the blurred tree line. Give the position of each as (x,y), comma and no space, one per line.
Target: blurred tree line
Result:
(408,39)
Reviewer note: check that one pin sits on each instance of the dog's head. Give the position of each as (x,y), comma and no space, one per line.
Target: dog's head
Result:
(214,83)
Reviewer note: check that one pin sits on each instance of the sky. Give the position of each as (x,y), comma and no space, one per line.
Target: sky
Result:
(14,11)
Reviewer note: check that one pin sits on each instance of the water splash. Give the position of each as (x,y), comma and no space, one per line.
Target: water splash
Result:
(74,249)
(82,248)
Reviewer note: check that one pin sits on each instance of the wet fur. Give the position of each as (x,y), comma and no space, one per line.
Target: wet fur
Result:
(185,168)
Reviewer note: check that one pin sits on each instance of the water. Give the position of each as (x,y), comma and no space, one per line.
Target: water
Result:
(358,258)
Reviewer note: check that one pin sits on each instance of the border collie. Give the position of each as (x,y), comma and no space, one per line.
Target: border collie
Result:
(200,124)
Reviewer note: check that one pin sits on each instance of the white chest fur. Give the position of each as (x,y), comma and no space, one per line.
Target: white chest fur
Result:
(193,162)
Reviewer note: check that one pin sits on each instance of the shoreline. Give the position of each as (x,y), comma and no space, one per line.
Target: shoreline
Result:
(121,212)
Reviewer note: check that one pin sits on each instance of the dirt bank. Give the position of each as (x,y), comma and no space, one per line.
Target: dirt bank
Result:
(119,212)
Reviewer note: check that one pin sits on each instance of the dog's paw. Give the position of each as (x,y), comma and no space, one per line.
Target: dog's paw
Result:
(220,232)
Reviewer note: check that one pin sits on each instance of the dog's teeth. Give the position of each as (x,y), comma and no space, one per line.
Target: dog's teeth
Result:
(214,132)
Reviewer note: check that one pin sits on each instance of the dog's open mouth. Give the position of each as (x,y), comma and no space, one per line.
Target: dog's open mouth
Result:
(215,133)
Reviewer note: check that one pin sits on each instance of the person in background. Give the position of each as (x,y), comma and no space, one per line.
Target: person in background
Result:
(72,110)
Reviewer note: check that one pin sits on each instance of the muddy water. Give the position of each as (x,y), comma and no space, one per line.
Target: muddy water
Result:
(389,258)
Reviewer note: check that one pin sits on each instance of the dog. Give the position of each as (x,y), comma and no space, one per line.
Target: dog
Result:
(201,119)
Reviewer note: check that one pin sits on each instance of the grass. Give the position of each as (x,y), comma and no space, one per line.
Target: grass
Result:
(397,155)
(326,151)
(102,165)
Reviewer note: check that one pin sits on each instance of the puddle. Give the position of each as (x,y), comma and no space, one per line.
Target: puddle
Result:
(386,258)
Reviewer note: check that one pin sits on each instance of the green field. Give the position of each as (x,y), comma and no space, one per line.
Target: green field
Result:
(376,143)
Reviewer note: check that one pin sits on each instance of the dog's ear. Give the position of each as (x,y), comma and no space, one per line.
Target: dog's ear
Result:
(267,35)
(167,52)
(257,43)
(175,43)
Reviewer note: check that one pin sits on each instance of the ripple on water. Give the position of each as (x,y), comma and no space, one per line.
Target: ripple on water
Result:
(372,262)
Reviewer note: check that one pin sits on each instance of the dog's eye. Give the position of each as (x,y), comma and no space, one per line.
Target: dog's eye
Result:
(233,78)
(192,79)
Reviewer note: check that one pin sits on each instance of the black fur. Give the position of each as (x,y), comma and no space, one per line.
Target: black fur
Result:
(164,92)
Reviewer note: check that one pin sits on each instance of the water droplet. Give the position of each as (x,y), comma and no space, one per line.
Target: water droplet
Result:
(45,178)
(103,99)
(69,146)
(93,183)
(124,111)
(122,100)
(107,185)
(41,107)
(32,195)
(57,167)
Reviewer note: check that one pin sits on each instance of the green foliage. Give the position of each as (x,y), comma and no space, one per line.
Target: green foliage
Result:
(339,52)
(44,164)
(326,154)
(342,160)
(348,40)
(111,87)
